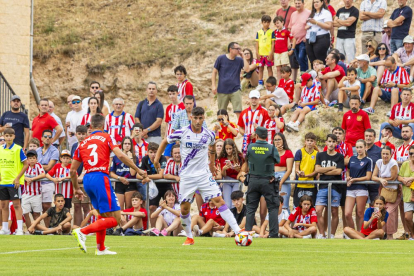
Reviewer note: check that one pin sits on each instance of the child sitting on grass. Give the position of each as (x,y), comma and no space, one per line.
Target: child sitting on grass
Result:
(60,219)
(282,218)
(374,222)
(133,220)
(239,213)
(303,219)
(168,216)
(209,220)
(348,86)
(309,99)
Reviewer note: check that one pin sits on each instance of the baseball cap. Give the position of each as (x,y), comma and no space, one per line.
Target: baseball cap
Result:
(65,152)
(385,24)
(305,77)
(15,97)
(31,153)
(408,39)
(254,94)
(76,98)
(363,57)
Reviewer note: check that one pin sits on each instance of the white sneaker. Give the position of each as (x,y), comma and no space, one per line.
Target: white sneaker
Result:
(4,232)
(81,238)
(307,237)
(196,230)
(256,235)
(182,234)
(104,252)
(332,236)
(295,126)
(259,87)
(217,235)
(346,236)
(369,110)
(321,237)
(388,114)
(19,232)
(411,239)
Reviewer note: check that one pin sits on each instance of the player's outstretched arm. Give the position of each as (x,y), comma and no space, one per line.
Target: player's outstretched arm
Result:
(160,150)
(127,161)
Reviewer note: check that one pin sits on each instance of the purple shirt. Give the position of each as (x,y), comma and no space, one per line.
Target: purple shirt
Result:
(386,40)
(402,53)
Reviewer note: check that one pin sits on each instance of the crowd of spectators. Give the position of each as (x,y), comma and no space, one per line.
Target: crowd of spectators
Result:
(34,167)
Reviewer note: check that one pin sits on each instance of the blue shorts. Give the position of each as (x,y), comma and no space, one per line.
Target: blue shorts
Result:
(142,188)
(312,108)
(386,96)
(322,198)
(167,151)
(98,187)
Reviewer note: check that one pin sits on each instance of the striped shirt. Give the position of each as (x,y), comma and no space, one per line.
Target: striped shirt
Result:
(185,88)
(247,120)
(86,119)
(173,169)
(170,112)
(310,94)
(402,113)
(272,129)
(113,124)
(35,187)
(399,76)
(402,152)
(65,188)
(140,150)
(373,25)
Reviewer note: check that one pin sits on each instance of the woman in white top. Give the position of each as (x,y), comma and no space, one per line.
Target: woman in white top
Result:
(318,38)
(386,169)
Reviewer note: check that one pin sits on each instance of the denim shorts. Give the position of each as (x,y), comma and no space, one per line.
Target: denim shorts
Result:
(322,198)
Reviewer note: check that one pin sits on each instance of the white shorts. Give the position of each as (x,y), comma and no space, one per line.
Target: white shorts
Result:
(356,193)
(47,192)
(31,203)
(205,184)
(408,206)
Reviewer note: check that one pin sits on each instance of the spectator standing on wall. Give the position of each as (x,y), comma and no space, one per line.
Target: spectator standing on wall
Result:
(371,13)
(400,22)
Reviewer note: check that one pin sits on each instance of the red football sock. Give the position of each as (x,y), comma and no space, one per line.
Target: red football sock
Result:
(100,239)
(100,224)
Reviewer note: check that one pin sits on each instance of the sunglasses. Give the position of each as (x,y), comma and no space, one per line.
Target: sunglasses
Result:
(368,46)
(382,48)
(75,102)
(2,140)
(47,136)
(95,87)
(238,49)
(411,153)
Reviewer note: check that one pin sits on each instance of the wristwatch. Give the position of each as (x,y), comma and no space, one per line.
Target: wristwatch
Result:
(148,129)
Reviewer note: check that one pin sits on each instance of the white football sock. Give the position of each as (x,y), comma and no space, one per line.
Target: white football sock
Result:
(217,235)
(186,223)
(20,225)
(5,226)
(227,215)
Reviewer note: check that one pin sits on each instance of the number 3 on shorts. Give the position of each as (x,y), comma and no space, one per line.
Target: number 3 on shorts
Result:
(93,154)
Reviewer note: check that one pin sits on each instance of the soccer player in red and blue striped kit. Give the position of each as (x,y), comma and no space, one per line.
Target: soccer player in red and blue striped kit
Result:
(94,152)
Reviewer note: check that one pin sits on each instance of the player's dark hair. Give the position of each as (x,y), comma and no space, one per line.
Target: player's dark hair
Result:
(45,131)
(407,126)
(282,136)
(222,112)
(305,198)
(153,146)
(236,195)
(188,97)
(271,80)
(58,195)
(310,135)
(332,136)
(180,68)
(81,129)
(98,109)
(137,195)
(338,128)
(341,56)
(370,130)
(172,88)
(277,18)
(286,69)
(134,157)
(97,121)
(197,111)
(9,131)
(95,82)
(176,146)
(266,18)
(171,192)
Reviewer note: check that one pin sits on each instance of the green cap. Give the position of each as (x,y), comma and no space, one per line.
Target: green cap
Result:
(261,132)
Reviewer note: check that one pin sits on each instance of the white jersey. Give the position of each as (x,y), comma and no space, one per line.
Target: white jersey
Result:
(167,215)
(193,149)
(283,216)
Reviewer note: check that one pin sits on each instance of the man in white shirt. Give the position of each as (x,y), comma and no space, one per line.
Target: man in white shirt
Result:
(274,94)
(93,88)
(73,119)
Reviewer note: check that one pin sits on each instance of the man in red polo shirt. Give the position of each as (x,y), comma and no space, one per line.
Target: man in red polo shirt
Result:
(330,78)
(355,122)
(44,121)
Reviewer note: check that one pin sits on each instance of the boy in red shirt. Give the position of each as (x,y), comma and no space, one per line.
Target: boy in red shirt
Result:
(133,220)
(175,106)
(209,220)
(184,85)
(286,83)
(282,37)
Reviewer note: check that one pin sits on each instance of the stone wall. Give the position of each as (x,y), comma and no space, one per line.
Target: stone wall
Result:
(15,46)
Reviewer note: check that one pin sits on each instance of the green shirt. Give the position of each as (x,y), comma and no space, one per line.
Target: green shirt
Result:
(11,163)
(365,75)
(405,171)
(261,157)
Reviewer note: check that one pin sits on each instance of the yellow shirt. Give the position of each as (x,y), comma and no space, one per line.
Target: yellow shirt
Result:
(11,163)
(405,171)
(307,165)
(265,41)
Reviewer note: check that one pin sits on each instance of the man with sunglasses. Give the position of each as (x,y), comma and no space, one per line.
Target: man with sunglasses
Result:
(405,56)
(47,155)
(18,121)
(93,88)
(73,119)
(44,121)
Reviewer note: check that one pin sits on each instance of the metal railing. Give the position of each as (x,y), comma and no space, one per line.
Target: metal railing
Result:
(6,93)
(314,182)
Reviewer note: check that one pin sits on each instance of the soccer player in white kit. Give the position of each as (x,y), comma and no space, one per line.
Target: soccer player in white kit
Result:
(197,164)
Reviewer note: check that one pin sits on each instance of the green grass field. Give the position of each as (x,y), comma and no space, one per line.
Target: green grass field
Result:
(59,255)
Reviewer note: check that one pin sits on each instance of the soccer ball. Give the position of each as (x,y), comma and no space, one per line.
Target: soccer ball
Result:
(243,239)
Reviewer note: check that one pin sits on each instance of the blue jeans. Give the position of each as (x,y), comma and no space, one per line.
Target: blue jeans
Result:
(395,44)
(322,198)
(286,189)
(228,188)
(396,131)
(301,57)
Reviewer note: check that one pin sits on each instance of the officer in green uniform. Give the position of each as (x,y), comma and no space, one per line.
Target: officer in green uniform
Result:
(261,158)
